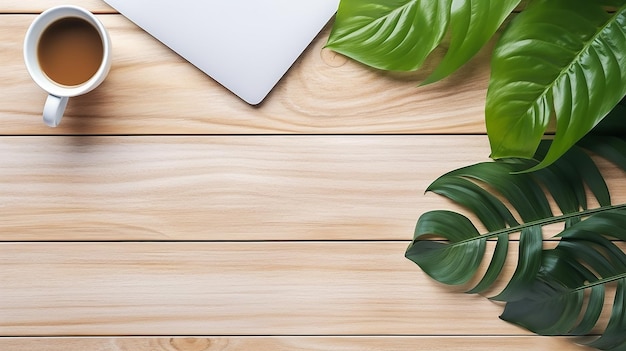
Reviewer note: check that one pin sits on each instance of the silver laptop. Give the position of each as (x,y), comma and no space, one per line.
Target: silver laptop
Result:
(245,45)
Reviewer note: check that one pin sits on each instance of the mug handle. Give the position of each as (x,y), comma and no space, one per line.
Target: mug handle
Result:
(53,109)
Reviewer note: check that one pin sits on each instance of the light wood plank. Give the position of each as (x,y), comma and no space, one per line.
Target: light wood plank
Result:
(255,288)
(150,90)
(37,6)
(228,188)
(279,288)
(397,343)
(223,188)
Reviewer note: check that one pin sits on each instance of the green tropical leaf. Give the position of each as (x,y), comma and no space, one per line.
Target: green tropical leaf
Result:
(400,35)
(559,291)
(472,24)
(585,260)
(389,34)
(457,260)
(450,263)
(562,58)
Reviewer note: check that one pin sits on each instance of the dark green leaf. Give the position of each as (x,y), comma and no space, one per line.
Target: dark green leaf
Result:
(614,336)
(584,260)
(557,291)
(614,123)
(565,179)
(613,149)
(453,263)
(530,247)
(521,191)
(490,210)
(495,266)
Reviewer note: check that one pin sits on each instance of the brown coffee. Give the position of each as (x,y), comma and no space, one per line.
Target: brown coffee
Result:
(70,51)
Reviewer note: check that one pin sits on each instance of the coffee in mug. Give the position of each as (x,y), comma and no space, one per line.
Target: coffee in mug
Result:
(70,51)
(67,53)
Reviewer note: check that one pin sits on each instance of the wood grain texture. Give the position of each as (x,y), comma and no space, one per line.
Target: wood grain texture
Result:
(37,6)
(151,90)
(252,288)
(228,188)
(396,343)
(223,188)
(229,288)
(276,288)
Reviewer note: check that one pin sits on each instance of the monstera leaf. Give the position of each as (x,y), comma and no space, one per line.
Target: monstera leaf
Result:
(400,34)
(558,58)
(573,282)
(450,248)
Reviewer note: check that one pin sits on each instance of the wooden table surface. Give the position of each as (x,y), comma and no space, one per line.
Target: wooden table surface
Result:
(166,214)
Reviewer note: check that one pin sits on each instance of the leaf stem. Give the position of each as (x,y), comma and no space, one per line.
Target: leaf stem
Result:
(543,222)
(602,281)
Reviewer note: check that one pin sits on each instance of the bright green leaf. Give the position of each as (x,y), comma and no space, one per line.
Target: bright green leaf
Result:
(399,35)
(389,34)
(561,57)
(472,24)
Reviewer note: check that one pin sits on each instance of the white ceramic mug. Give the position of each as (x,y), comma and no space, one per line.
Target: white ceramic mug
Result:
(58,94)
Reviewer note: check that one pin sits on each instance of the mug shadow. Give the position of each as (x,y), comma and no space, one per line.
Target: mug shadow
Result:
(84,113)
